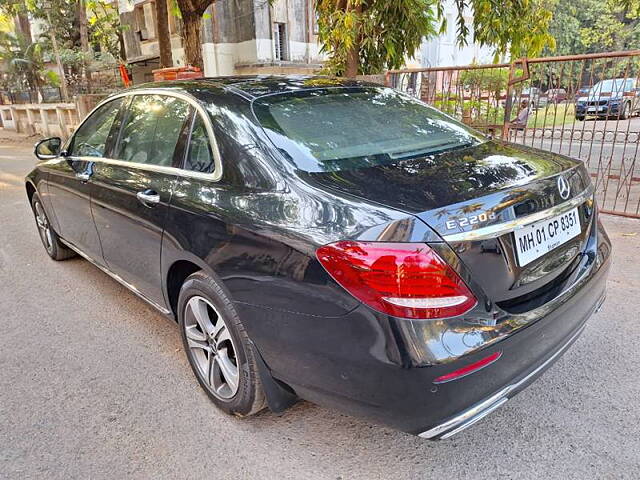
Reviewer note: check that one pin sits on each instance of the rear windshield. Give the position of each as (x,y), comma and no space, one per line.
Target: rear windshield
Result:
(349,128)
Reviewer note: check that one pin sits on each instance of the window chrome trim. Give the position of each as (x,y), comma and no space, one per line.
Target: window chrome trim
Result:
(217,162)
(493,231)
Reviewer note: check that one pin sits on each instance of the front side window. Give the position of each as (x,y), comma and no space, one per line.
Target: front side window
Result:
(199,156)
(151,129)
(345,128)
(91,138)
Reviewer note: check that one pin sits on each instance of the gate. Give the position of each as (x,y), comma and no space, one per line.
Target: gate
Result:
(583,106)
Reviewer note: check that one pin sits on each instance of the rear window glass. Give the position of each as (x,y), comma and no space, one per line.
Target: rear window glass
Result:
(338,129)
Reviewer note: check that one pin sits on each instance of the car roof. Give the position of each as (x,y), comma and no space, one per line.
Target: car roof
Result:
(254,86)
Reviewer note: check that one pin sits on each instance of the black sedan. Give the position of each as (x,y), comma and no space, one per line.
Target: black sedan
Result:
(331,240)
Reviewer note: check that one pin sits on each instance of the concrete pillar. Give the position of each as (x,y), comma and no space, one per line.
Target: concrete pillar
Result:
(61,123)
(31,121)
(14,116)
(44,120)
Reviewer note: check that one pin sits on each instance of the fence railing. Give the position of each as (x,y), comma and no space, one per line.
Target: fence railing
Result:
(583,106)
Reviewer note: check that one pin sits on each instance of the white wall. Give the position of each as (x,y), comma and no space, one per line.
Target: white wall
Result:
(442,50)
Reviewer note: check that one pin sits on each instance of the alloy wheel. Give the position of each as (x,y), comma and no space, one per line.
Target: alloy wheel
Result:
(44,229)
(211,347)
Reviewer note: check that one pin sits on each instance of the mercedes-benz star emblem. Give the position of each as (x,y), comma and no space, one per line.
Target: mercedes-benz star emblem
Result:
(563,187)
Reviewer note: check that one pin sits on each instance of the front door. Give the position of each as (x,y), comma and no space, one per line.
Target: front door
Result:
(131,191)
(69,181)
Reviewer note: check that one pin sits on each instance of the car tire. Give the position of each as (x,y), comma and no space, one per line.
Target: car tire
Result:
(221,355)
(50,239)
(580,118)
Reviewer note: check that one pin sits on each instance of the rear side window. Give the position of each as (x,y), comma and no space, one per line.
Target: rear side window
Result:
(91,138)
(151,130)
(199,156)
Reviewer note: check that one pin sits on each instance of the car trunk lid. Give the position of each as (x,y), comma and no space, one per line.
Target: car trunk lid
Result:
(478,199)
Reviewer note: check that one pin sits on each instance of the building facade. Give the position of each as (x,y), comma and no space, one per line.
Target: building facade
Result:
(442,50)
(238,37)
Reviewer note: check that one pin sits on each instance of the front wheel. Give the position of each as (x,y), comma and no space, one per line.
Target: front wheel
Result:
(580,118)
(50,239)
(218,348)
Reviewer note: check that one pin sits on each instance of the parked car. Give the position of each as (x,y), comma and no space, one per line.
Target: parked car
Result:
(583,90)
(331,240)
(533,95)
(612,98)
(556,95)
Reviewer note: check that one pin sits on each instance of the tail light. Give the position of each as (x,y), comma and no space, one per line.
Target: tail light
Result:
(406,280)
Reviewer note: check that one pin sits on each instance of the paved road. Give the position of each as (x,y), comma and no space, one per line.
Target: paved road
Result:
(94,384)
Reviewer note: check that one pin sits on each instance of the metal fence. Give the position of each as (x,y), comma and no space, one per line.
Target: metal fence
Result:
(583,106)
(103,81)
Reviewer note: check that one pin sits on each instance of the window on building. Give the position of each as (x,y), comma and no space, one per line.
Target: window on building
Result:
(280,41)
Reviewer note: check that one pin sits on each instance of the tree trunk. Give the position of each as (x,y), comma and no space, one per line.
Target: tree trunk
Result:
(84,40)
(191,39)
(24,26)
(353,62)
(56,53)
(164,37)
(353,54)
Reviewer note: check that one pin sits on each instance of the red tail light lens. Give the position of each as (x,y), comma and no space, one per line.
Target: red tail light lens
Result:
(406,280)
(469,369)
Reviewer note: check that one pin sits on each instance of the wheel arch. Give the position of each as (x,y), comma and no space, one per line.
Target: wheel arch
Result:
(31,190)
(279,396)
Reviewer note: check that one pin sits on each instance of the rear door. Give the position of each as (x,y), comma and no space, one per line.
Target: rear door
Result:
(69,179)
(132,190)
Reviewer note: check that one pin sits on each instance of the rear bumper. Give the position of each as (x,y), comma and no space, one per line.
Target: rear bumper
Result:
(368,364)
(477,412)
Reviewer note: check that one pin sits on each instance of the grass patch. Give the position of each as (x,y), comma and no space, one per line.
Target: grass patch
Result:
(553,115)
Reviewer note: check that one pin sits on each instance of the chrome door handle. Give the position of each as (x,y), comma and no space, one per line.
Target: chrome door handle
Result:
(83,176)
(148,196)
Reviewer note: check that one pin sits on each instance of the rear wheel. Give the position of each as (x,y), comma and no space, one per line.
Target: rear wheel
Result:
(218,347)
(50,239)
(580,118)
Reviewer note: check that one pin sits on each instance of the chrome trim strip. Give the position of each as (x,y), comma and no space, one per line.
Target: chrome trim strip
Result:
(493,231)
(148,167)
(116,277)
(478,411)
(217,170)
(475,419)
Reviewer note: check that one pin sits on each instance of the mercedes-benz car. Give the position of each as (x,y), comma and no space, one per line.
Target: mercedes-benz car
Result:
(330,240)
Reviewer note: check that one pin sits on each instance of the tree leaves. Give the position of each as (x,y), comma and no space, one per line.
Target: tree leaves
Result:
(388,32)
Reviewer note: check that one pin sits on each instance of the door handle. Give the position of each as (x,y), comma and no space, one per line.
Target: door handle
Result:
(148,197)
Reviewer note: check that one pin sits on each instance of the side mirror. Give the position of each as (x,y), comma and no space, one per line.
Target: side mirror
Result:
(48,148)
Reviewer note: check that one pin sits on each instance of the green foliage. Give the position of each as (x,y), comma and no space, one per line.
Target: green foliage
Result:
(385,33)
(24,64)
(493,80)
(104,26)
(519,28)
(594,26)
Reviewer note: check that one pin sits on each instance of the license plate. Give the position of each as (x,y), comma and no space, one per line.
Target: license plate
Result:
(536,239)
(591,109)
